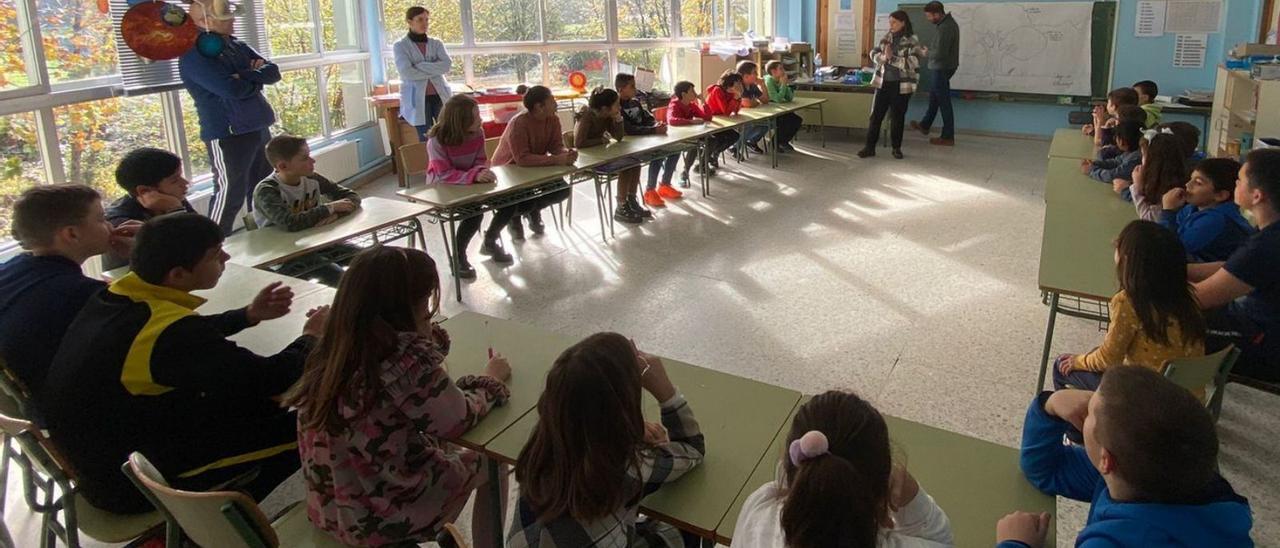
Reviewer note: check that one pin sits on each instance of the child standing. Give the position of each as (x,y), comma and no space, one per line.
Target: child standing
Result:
(637,120)
(592,457)
(1163,168)
(1204,215)
(603,116)
(838,481)
(375,406)
(777,83)
(684,110)
(1119,167)
(1154,317)
(724,98)
(1147,92)
(455,148)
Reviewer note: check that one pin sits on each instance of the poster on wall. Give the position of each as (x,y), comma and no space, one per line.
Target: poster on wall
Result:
(1041,47)
(843,42)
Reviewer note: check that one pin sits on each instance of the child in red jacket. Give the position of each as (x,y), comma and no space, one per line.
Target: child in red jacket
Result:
(683,110)
(724,98)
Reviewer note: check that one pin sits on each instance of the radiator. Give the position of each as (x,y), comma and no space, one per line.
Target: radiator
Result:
(339,160)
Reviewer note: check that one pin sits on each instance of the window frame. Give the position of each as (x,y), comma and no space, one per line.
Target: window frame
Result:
(32,45)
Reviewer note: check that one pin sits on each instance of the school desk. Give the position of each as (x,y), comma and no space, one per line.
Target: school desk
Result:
(769,113)
(240,284)
(1071,143)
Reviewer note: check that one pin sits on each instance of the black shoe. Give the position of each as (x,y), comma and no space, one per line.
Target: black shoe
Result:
(755,147)
(535,223)
(684,180)
(624,214)
(638,209)
(866,153)
(786,147)
(516,228)
(465,270)
(897,153)
(493,249)
(916,126)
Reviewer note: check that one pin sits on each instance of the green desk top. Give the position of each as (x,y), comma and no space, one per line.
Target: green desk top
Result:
(1082,218)
(975,482)
(531,352)
(272,245)
(1070,143)
(236,289)
(510,178)
(739,417)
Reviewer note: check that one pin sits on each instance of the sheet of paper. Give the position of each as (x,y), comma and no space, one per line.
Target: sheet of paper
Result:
(1188,50)
(844,21)
(1193,17)
(644,79)
(1150,21)
(882,23)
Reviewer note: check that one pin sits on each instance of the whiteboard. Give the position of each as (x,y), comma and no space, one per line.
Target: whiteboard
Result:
(1025,47)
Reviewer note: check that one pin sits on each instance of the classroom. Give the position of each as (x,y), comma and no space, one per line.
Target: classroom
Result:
(682,273)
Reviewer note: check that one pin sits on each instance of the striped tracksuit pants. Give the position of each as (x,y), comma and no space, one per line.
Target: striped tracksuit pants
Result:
(239,164)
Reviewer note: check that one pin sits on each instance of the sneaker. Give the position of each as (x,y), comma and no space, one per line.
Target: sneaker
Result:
(684,181)
(942,142)
(786,147)
(535,223)
(755,147)
(653,199)
(516,228)
(866,153)
(465,270)
(624,214)
(897,153)
(668,192)
(916,126)
(493,249)
(636,207)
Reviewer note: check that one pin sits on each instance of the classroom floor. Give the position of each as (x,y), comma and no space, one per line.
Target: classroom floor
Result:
(911,282)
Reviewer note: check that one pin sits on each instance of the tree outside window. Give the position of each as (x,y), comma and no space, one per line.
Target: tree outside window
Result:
(93,136)
(20,165)
(595,64)
(446,19)
(505,20)
(346,88)
(296,99)
(644,19)
(659,60)
(78,39)
(574,20)
(13,66)
(507,70)
(702,17)
(197,154)
(289,27)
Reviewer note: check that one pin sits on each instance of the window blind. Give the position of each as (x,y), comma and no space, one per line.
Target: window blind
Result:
(146,76)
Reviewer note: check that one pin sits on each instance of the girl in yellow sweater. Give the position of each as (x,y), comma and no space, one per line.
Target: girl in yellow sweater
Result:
(1154,317)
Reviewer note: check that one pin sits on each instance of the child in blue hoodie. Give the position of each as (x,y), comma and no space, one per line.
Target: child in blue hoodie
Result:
(1204,215)
(1148,464)
(1128,136)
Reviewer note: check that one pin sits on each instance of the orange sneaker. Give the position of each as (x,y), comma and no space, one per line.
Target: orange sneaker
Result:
(669,192)
(652,199)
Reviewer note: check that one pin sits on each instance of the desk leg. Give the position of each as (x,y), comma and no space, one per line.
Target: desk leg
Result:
(702,159)
(773,126)
(495,489)
(822,124)
(1048,341)
(450,235)
(708,543)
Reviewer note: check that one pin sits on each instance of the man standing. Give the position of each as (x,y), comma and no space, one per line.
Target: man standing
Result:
(225,78)
(944,58)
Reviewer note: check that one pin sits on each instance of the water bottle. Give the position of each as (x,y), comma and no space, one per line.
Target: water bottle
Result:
(817,68)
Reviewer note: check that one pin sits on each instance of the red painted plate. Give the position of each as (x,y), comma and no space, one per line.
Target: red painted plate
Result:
(158,30)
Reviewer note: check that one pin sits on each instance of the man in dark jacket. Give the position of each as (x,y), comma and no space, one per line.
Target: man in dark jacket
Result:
(225,78)
(944,59)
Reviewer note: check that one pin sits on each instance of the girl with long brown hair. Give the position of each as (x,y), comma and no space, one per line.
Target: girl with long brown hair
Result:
(838,487)
(592,457)
(375,407)
(1163,168)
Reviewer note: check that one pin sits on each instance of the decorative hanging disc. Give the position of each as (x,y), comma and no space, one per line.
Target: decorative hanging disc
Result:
(578,81)
(158,30)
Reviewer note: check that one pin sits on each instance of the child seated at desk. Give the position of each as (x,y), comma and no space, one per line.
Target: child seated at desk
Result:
(1147,92)
(1108,170)
(533,138)
(376,409)
(777,83)
(724,98)
(1154,317)
(684,110)
(752,96)
(1106,116)
(154,185)
(1148,466)
(1107,144)
(1204,214)
(456,156)
(838,481)
(598,122)
(291,199)
(1189,136)
(1163,168)
(592,457)
(637,120)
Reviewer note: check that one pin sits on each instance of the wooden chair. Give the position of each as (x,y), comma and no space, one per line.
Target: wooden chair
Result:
(491,146)
(1204,372)
(660,114)
(413,160)
(49,489)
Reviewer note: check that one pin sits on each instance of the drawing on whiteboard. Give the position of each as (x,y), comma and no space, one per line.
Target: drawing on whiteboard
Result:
(1027,48)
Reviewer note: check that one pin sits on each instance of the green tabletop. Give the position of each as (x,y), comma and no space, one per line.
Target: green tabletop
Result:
(975,482)
(1082,218)
(739,417)
(531,352)
(236,289)
(272,245)
(510,178)
(1071,143)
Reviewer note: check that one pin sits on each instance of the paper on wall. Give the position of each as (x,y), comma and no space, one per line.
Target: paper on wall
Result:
(1188,50)
(1150,21)
(882,23)
(1193,17)
(844,21)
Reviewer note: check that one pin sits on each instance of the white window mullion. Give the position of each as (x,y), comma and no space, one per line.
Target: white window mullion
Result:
(50,154)
(546,67)
(468,69)
(175,133)
(542,24)
(317,28)
(323,98)
(676,32)
(468,24)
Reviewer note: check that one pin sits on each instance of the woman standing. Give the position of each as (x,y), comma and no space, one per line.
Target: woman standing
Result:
(422,63)
(897,60)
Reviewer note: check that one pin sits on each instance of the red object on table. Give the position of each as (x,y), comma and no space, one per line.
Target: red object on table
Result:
(493,129)
(493,98)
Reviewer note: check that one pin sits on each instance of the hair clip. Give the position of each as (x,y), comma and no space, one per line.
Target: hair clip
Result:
(812,444)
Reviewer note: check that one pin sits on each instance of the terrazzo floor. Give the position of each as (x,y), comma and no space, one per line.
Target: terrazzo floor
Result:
(911,282)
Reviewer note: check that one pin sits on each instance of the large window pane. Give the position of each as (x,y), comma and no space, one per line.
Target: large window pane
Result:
(574,20)
(595,64)
(20,165)
(644,19)
(347,90)
(446,19)
(457,72)
(94,136)
(702,17)
(506,70)
(78,39)
(506,20)
(739,15)
(197,156)
(658,60)
(296,98)
(341,22)
(289,26)
(13,65)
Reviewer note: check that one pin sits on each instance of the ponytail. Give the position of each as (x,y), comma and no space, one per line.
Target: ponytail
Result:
(830,504)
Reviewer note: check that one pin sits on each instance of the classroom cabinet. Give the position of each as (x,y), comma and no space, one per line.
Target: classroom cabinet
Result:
(1244,110)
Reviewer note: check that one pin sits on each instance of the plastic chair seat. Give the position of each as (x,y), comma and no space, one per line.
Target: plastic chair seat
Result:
(108,527)
(296,531)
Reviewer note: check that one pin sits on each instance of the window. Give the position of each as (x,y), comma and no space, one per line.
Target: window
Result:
(296,99)
(345,89)
(741,18)
(78,39)
(506,70)
(13,63)
(197,163)
(20,165)
(289,27)
(595,64)
(506,20)
(702,17)
(456,71)
(93,136)
(341,23)
(644,19)
(574,20)
(659,60)
(446,19)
